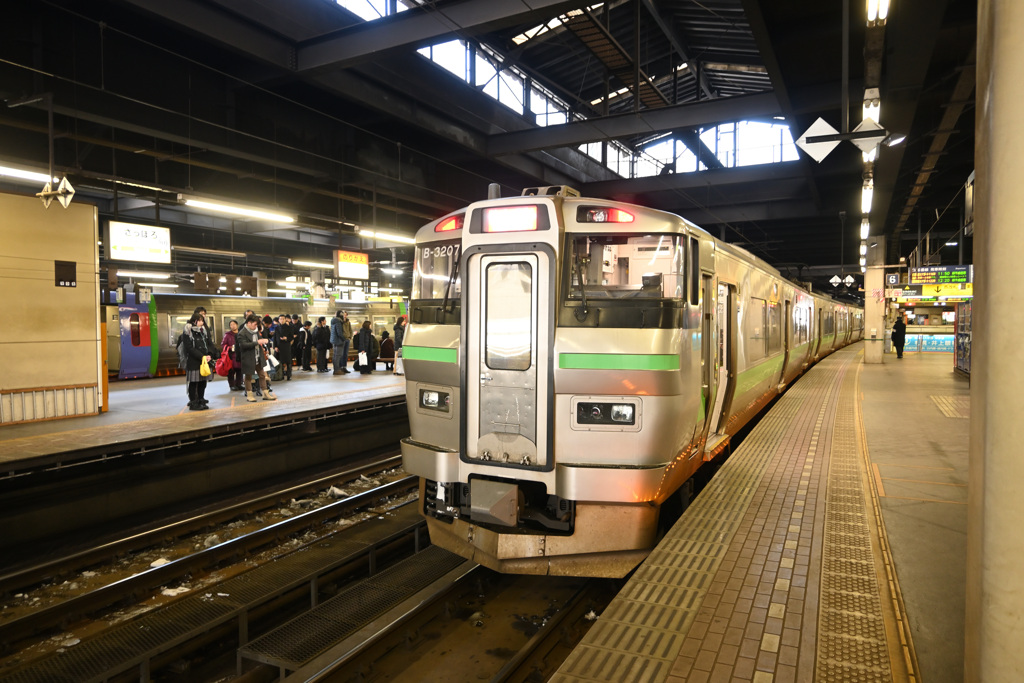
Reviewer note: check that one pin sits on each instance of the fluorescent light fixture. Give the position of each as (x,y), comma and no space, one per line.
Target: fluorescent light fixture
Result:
(863,248)
(238,280)
(865,197)
(214,252)
(279,291)
(863,261)
(373,234)
(223,279)
(878,10)
(312,264)
(21,174)
(872,109)
(236,210)
(143,273)
(293,285)
(952,244)
(865,228)
(894,140)
(157,284)
(391,271)
(389,289)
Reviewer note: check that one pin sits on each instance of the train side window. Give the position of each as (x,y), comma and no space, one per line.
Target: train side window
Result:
(774,328)
(694,279)
(754,323)
(134,326)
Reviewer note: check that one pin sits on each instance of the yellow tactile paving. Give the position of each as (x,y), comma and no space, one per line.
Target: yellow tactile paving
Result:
(736,591)
(953,406)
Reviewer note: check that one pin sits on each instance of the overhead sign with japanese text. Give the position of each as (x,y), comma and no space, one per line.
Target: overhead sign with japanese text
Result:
(937,275)
(352,265)
(134,242)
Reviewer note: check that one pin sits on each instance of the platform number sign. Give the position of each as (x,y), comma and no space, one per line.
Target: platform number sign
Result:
(65,274)
(892,278)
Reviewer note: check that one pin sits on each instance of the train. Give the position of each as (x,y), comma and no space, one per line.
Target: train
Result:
(141,337)
(571,363)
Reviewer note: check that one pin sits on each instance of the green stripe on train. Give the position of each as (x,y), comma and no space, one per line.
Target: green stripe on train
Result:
(429,353)
(617,361)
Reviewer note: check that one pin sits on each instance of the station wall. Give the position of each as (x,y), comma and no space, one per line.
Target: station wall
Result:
(51,346)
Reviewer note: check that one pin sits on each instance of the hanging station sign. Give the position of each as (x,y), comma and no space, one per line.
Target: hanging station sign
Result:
(135,242)
(351,265)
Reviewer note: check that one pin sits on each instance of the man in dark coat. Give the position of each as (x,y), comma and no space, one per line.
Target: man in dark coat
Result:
(306,346)
(322,342)
(283,343)
(250,344)
(899,335)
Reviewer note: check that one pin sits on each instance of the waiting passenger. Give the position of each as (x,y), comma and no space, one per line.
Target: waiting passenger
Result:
(251,346)
(283,344)
(365,341)
(199,351)
(899,334)
(305,346)
(399,332)
(341,337)
(322,341)
(235,371)
(387,349)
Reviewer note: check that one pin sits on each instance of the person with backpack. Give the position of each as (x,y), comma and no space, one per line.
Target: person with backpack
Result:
(198,352)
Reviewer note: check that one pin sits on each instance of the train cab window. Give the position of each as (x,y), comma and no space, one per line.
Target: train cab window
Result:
(629,266)
(509,330)
(135,328)
(437,284)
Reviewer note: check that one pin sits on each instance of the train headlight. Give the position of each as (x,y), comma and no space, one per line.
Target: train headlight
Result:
(593,413)
(434,400)
(622,413)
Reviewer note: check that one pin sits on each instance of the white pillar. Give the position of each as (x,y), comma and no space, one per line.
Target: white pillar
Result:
(995,513)
(874,301)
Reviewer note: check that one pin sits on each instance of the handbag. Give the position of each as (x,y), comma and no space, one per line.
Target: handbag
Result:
(204,369)
(363,361)
(224,363)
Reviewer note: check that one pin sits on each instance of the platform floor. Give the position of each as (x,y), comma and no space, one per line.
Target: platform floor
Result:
(829,547)
(157,409)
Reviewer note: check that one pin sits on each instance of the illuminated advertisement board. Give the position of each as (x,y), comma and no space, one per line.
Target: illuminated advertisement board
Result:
(134,242)
(351,265)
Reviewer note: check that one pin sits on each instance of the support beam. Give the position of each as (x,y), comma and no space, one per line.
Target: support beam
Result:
(651,121)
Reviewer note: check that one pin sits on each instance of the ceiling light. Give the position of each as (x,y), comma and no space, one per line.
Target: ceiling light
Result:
(142,273)
(312,264)
(21,174)
(372,234)
(865,228)
(894,140)
(391,271)
(292,285)
(952,244)
(223,279)
(236,210)
(157,284)
(865,197)
(389,289)
(214,252)
(279,291)
(863,261)
(863,248)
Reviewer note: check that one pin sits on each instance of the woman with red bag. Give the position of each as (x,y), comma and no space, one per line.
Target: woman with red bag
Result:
(234,374)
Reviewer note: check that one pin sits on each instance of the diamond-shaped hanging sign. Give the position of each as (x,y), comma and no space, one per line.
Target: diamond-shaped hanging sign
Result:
(818,150)
(868,144)
(65,192)
(46,195)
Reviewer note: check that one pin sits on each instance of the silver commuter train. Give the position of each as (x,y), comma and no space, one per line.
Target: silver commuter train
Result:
(572,362)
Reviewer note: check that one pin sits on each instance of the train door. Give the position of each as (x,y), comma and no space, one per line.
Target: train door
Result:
(725,305)
(787,341)
(508,332)
(708,360)
(818,336)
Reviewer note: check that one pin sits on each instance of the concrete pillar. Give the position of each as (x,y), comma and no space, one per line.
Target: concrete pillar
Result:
(874,301)
(995,544)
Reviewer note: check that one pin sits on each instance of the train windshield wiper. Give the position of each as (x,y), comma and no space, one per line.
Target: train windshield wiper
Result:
(581,312)
(448,288)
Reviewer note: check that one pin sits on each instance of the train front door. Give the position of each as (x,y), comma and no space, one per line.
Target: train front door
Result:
(508,331)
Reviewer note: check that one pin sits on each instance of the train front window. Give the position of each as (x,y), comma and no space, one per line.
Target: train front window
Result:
(437,284)
(629,266)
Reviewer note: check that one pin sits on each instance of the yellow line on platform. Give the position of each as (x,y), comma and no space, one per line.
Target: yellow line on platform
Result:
(927,500)
(916,467)
(925,481)
(878,481)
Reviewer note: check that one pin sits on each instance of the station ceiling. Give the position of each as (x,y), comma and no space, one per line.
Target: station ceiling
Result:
(304,106)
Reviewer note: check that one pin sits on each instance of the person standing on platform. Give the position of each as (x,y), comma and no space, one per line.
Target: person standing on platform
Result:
(230,343)
(296,339)
(387,349)
(341,337)
(322,341)
(399,332)
(305,336)
(365,341)
(250,345)
(283,343)
(899,334)
(198,352)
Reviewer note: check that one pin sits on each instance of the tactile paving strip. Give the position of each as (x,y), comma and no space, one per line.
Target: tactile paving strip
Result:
(642,632)
(851,627)
(953,406)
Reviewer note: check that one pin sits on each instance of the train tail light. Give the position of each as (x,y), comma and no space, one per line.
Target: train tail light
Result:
(453,223)
(603,214)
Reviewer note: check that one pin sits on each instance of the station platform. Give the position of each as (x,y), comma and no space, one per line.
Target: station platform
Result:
(150,414)
(831,545)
